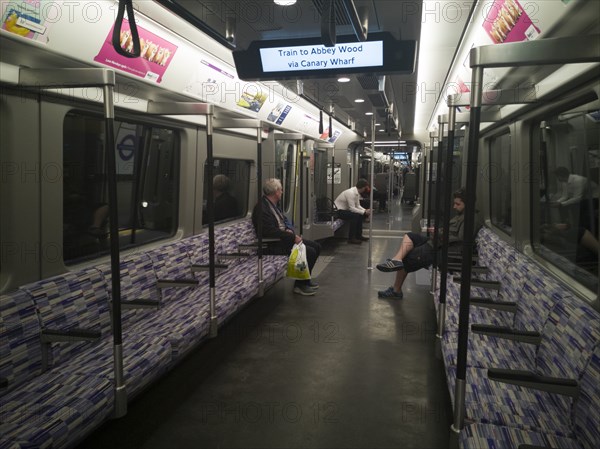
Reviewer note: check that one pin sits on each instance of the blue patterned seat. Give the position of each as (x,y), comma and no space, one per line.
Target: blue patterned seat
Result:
(538,297)
(20,349)
(79,300)
(584,420)
(55,409)
(571,335)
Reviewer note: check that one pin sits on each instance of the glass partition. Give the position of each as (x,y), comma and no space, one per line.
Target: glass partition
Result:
(565,197)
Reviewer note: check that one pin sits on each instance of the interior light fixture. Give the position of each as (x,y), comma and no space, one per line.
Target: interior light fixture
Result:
(343,79)
(284,2)
(359,100)
(368,113)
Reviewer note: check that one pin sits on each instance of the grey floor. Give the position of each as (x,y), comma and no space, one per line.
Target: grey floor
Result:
(342,369)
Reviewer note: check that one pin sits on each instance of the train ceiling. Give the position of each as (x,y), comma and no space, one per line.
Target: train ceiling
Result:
(404,98)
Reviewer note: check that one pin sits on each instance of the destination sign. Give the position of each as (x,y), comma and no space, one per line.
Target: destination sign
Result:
(301,58)
(319,57)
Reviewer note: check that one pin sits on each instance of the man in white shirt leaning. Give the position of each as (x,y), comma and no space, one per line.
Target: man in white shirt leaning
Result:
(349,209)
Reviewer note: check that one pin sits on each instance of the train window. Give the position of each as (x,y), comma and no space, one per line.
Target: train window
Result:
(565,221)
(231,184)
(500,185)
(147,159)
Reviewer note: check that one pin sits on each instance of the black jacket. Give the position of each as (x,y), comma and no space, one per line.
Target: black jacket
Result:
(270,228)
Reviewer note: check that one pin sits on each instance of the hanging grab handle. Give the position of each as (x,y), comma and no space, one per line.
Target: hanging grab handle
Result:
(116,37)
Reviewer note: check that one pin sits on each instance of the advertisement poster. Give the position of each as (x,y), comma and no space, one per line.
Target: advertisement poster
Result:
(252,101)
(155,56)
(507,21)
(24,19)
(279,114)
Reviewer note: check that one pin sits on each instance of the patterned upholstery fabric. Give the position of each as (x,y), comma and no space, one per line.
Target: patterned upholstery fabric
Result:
(20,349)
(145,359)
(172,262)
(337,224)
(586,411)
(586,422)
(506,415)
(488,436)
(183,323)
(138,281)
(59,407)
(55,409)
(570,337)
(71,300)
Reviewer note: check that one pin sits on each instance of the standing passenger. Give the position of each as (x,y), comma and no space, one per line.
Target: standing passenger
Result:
(276,225)
(349,208)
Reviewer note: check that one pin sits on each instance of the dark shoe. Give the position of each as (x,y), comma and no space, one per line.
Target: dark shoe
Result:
(363,239)
(355,241)
(390,265)
(389,293)
(313,284)
(304,289)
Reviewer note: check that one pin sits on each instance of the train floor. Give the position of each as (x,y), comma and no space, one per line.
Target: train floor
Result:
(341,369)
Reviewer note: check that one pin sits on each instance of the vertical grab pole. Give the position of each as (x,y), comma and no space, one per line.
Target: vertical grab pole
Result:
(467,251)
(445,237)
(301,187)
(210,209)
(370,262)
(259,204)
(332,172)
(109,146)
(438,205)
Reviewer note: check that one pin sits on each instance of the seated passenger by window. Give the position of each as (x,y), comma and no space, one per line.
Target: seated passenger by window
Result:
(225,205)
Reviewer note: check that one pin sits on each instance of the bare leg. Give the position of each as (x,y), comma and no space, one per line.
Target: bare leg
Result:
(405,247)
(589,241)
(400,277)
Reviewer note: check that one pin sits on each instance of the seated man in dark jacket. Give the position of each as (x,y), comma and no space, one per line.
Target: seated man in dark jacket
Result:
(276,225)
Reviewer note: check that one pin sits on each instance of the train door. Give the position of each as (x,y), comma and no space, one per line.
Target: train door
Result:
(286,167)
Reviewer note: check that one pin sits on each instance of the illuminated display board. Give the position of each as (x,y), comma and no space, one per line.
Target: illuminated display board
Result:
(318,57)
(309,58)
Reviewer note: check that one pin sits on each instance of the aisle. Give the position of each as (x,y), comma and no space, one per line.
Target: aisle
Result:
(342,369)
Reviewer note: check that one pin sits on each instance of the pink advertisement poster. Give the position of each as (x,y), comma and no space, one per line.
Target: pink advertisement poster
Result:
(155,57)
(507,21)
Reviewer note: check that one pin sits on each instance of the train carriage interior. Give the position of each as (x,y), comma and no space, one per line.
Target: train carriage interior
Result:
(439,159)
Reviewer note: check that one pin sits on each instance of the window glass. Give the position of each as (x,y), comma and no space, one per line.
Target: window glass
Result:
(565,222)
(231,183)
(500,183)
(285,154)
(147,163)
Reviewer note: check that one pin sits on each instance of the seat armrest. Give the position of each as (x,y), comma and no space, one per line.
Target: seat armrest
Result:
(237,255)
(475,269)
(141,304)
(505,306)
(489,285)
(507,333)
(528,379)
(206,267)
(534,446)
(70,335)
(255,243)
(166,283)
